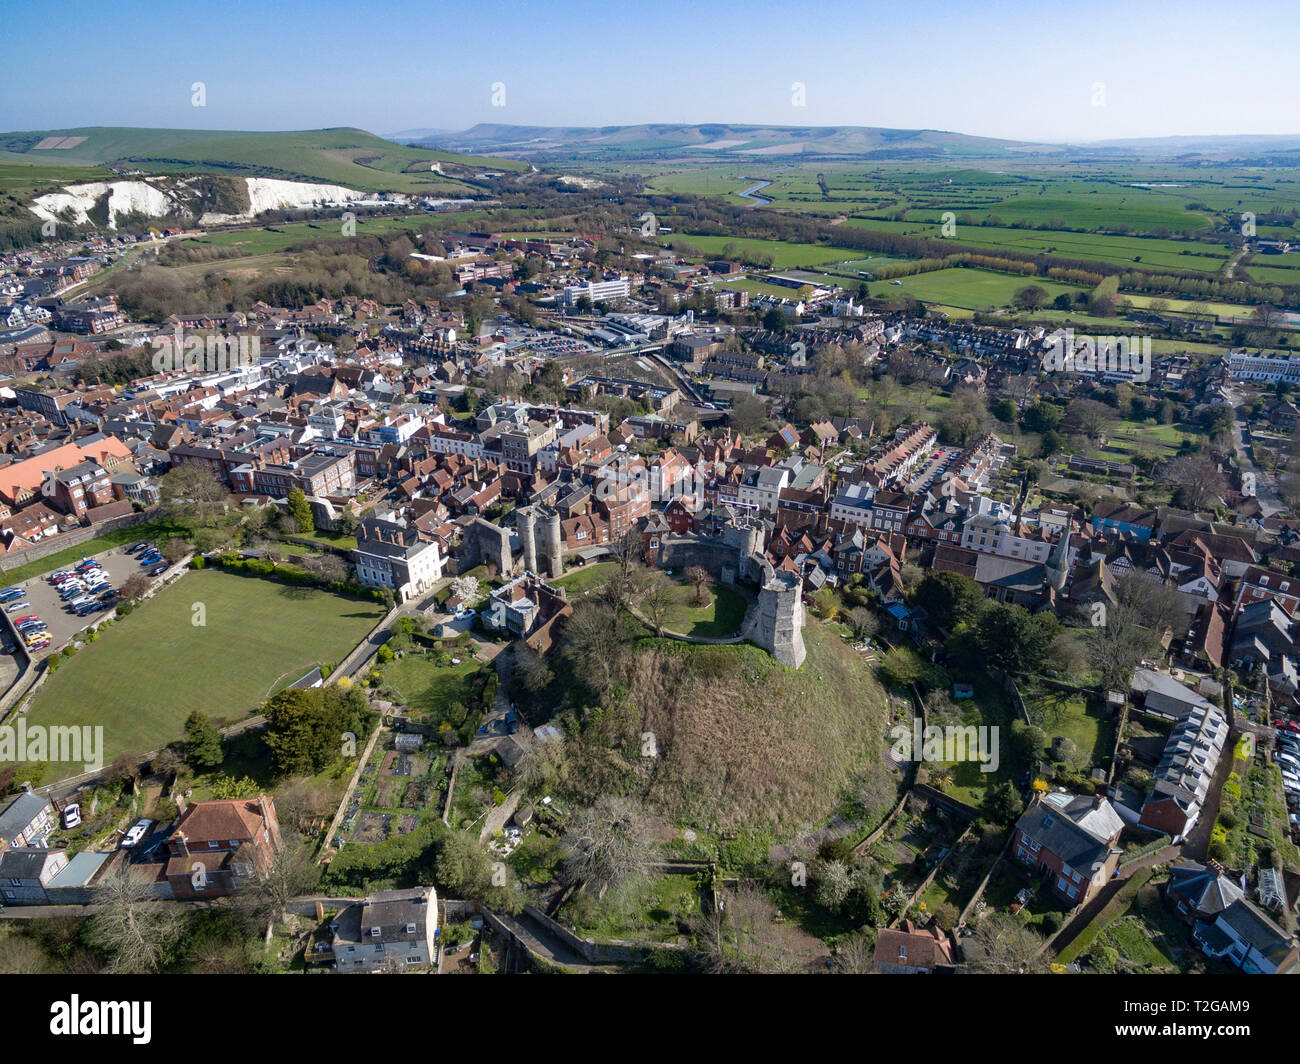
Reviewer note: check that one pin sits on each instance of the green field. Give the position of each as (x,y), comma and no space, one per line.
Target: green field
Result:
(151,669)
(348,157)
(785,256)
(970,289)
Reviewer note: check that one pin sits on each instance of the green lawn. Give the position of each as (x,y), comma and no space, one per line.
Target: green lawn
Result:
(989,708)
(1070,716)
(151,669)
(329,539)
(719,617)
(650,910)
(432,690)
(589,576)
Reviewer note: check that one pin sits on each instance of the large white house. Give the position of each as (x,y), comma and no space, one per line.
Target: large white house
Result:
(391,554)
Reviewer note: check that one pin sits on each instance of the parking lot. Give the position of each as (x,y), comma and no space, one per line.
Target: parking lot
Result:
(46,603)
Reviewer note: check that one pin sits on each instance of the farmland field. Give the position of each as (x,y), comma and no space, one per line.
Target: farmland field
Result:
(225,668)
(962,287)
(785,255)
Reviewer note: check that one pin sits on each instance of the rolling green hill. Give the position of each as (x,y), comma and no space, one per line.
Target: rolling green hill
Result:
(731,140)
(349,157)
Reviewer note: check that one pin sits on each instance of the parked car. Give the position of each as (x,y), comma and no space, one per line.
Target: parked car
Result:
(135,547)
(71,815)
(14,607)
(1289,726)
(136,833)
(159,570)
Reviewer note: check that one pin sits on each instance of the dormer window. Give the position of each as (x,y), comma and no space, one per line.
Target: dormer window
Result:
(374,932)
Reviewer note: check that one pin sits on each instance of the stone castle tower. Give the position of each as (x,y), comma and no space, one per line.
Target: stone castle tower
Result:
(776,621)
(541,538)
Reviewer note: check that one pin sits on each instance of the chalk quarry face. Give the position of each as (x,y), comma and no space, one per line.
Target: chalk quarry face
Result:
(196,198)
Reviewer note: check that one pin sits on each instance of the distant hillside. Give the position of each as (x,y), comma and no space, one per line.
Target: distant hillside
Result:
(347,157)
(718,140)
(1226,147)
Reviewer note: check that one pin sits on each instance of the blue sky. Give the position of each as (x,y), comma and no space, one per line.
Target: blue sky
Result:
(1005,69)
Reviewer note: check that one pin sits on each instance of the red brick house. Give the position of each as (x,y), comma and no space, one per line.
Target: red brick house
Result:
(1072,841)
(219,844)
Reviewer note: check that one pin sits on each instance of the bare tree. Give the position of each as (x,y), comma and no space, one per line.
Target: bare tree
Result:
(190,488)
(134,587)
(269,889)
(864,622)
(655,597)
(532,670)
(856,955)
(327,567)
(621,586)
(593,644)
(698,576)
(745,936)
(133,928)
(608,844)
(1089,418)
(1004,946)
(1197,480)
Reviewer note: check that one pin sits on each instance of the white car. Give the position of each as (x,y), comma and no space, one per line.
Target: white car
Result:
(71,815)
(136,833)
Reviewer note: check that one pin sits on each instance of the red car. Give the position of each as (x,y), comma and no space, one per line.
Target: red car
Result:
(1289,726)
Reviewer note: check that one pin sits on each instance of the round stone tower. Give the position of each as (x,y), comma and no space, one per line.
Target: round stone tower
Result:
(526,526)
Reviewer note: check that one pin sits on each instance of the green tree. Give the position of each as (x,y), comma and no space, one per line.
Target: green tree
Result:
(462,866)
(307,729)
(949,598)
(300,510)
(202,742)
(1013,639)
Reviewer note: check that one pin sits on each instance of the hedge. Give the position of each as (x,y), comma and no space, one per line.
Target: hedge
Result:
(292,574)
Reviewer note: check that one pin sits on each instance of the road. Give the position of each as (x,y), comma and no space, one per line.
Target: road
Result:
(1269,500)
